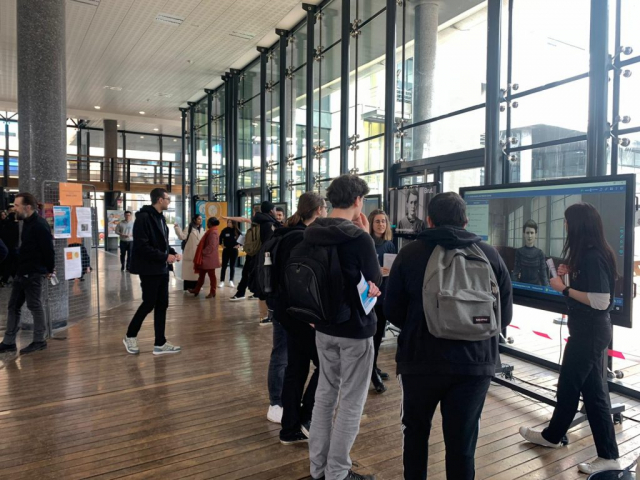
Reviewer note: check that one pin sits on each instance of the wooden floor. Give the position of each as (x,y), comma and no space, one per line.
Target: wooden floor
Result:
(85,409)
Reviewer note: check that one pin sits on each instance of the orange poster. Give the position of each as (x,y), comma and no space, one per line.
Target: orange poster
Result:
(71,194)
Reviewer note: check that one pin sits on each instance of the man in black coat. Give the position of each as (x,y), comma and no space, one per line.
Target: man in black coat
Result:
(36,261)
(454,373)
(150,259)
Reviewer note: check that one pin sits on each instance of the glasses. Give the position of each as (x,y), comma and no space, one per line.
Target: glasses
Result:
(167,198)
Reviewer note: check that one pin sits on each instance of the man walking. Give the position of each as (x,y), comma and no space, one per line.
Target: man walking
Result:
(151,258)
(36,261)
(345,349)
(124,230)
(455,373)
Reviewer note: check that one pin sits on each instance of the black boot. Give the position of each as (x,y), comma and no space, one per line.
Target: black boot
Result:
(383,375)
(377,382)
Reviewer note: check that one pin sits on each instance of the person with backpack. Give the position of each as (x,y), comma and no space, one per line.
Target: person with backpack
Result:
(190,240)
(322,280)
(230,251)
(299,341)
(450,294)
(592,268)
(380,231)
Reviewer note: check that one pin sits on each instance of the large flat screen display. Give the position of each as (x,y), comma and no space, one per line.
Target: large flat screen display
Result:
(408,207)
(525,223)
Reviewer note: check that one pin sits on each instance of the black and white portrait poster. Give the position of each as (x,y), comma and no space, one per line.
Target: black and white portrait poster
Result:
(408,208)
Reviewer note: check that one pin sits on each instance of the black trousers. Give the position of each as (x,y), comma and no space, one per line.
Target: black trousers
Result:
(229,256)
(155,297)
(461,399)
(380,328)
(583,371)
(301,350)
(247,270)
(125,252)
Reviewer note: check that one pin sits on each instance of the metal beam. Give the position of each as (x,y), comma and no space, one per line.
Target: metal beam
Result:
(389,100)
(344,86)
(183,165)
(192,156)
(309,153)
(209,149)
(597,127)
(263,122)
(493,156)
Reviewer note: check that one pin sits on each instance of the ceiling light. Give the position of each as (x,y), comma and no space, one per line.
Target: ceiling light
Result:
(118,125)
(97,107)
(141,136)
(155,129)
(169,19)
(141,113)
(175,139)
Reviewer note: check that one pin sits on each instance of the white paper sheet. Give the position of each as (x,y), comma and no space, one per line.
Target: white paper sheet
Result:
(72,263)
(387,261)
(83,217)
(363,290)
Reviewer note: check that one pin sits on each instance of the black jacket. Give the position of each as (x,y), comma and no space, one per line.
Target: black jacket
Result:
(419,352)
(4,251)
(10,232)
(150,243)
(268,225)
(36,254)
(357,256)
(228,237)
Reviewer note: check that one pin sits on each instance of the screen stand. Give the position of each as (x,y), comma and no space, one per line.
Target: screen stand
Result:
(504,376)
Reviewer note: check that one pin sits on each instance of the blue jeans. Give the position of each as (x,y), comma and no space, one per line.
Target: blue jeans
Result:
(278,362)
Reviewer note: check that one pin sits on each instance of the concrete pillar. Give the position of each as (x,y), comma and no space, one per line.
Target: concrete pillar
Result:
(42,93)
(42,106)
(424,67)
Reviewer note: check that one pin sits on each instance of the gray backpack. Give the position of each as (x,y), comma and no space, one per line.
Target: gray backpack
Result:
(460,295)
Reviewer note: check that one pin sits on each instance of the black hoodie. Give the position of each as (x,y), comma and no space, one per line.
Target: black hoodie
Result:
(150,243)
(268,225)
(357,256)
(419,352)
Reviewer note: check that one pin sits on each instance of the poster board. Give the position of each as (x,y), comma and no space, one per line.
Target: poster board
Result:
(211,209)
(62,222)
(114,217)
(70,194)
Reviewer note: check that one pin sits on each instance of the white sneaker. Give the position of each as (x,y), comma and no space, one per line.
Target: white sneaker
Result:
(166,348)
(131,344)
(535,436)
(221,284)
(598,465)
(274,414)
(231,284)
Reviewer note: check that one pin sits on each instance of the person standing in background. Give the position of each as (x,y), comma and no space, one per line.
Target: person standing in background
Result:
(380,231)
(207,258)
(190,239)
(229,239)
(124,230)
(36,261)
(280,217)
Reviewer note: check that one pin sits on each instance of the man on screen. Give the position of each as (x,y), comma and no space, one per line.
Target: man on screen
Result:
(411,222)
(530,266)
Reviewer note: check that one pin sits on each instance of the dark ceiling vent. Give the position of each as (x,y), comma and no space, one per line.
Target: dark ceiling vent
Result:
(167,19)
(93,3)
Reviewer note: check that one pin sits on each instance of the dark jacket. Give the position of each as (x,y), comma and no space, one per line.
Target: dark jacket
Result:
(4,251)
(419,352)
(357,256)
(268,225)
(11,232)
(382,247)
(36,254)
(150,243)
(294,327)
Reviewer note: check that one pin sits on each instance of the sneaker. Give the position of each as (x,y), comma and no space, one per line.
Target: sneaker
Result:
(4,348)
(265,321)
(131,344)
(535,436)
(221,284)
(297,437)
(33,347)
(356,476)
(306,428)
(598,465)
(231,284)
(253,297)
(236,298)
(166,348)
(274,414)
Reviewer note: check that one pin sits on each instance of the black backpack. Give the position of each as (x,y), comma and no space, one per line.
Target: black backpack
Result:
(314,285)
(267,272)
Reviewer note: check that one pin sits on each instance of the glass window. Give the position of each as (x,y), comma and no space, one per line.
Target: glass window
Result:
(629,91)
(454,180)
(328,28)
(550,33)
(144,147)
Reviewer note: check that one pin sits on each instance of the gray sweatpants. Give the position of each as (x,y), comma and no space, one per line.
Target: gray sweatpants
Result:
(345,372)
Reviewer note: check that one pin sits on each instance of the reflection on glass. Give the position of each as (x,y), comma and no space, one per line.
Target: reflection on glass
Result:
(453,181)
